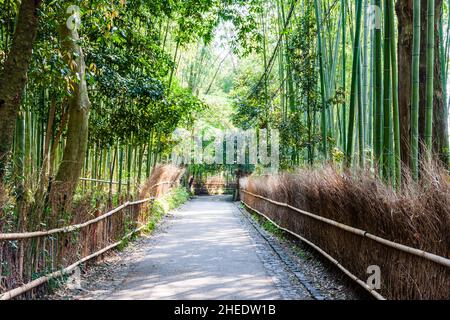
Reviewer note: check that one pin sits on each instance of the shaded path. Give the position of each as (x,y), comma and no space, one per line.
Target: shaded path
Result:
(207,253)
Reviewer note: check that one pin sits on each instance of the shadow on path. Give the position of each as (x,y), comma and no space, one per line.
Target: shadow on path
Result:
(206,253)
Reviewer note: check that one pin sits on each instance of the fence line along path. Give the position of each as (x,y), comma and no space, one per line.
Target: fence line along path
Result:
(69,229)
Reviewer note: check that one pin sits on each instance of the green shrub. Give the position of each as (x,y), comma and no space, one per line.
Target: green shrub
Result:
(163,205)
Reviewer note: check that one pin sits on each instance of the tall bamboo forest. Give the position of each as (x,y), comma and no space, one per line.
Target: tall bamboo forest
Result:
(91,92)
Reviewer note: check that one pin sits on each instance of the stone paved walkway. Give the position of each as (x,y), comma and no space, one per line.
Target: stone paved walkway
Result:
(209,252)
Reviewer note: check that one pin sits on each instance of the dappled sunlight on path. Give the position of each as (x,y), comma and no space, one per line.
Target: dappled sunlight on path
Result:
(205,254)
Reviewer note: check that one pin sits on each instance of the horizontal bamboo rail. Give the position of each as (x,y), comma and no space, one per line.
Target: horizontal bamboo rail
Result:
(215,184)
(161,183)
(423,254)
(35,283)
(71,228)
(325,254)
(35,234)
(121,182)
(103,181)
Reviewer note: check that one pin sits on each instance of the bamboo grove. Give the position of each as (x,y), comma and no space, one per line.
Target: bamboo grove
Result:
(89,110)
(362,83)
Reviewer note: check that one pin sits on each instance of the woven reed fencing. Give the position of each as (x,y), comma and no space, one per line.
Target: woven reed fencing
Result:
(31,259)
(354,235)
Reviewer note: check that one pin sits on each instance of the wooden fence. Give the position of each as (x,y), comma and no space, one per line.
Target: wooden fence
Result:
(287,225)
(30,259)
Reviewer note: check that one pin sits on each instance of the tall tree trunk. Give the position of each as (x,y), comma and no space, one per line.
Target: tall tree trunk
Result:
(77,130)
(14,76)
(405,49)
(440,124)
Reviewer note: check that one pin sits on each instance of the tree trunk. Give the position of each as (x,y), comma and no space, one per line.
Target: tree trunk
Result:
(440,126)
(77,131)
(14,76)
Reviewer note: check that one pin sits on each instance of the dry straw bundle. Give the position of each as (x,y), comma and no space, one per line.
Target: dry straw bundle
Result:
(417,216)
(163,177)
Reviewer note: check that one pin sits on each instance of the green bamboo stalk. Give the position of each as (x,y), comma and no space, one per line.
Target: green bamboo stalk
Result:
(280,24)
(344,116)
(365,69)
(94,172)
(361,139)
(387,94)
(120,164)
(334,61)
(322,80)
(415,91)
(354,84)
(395,114)
(443,47)
(429,80)
(27,143)
(136,167)
(129,164)
(442,55)
(112,167)
(103,167)
(264,52)
(86,168)
(149,155)
(19,150)
(378,133)
(172,70)
(370,112)
(139,164)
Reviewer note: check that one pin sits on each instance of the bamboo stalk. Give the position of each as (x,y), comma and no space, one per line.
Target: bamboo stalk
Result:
(354,85)
(386,146)
(395,107)
(378,107)
(414,151)
(323,117)
(429,81)
(344,121)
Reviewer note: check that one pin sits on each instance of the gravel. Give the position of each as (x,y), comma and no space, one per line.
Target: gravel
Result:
(316,273)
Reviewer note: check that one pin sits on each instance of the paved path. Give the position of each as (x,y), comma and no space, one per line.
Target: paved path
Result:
(206,253)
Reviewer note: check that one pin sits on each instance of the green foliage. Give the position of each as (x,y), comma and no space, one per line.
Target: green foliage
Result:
(249,106)
(244,16)
(162,206)
(268,226)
